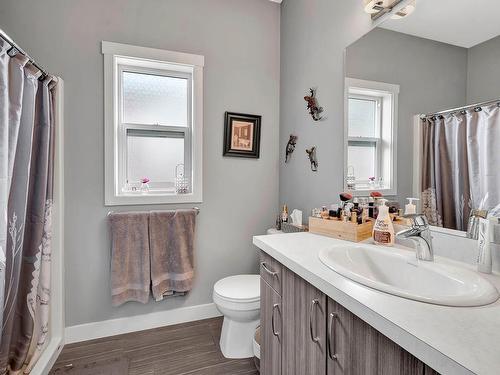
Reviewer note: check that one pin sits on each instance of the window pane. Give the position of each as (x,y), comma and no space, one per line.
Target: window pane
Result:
(154,155)
(154,99)
(362,157)
(362,114)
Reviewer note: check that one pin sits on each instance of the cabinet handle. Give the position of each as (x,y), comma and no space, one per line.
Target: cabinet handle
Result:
(276,307)
(312,312)
(272,273)
(331,337)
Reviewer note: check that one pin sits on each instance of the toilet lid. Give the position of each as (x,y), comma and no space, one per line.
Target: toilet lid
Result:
(240,287)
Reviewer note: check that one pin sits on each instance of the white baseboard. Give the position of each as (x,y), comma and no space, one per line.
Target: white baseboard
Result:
(112,327)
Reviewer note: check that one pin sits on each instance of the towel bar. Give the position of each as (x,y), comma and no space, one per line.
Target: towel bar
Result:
(197,209)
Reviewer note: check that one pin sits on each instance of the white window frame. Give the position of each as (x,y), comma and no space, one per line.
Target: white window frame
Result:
(387,121)
(123,57)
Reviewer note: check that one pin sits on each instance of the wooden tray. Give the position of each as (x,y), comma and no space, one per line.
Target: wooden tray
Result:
(340,229)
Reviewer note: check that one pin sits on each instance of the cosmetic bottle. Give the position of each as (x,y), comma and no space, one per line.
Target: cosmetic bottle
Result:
(371,207)
(363,210)
(284,214)
(324,213)
(278,222)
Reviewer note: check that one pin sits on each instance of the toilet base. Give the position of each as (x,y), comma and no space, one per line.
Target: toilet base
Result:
(236,340)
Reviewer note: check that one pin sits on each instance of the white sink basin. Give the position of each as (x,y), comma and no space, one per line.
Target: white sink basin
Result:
(398,272)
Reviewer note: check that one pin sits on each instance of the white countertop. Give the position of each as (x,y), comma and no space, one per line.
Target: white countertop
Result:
(451,340)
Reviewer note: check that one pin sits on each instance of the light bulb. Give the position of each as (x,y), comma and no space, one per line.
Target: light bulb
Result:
(374,6)
(405,11)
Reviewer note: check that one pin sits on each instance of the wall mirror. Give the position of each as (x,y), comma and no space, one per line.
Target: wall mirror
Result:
(422,110)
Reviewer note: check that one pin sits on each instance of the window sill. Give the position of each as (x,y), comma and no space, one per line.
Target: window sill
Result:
(155,192)
(158,197)
(366,192)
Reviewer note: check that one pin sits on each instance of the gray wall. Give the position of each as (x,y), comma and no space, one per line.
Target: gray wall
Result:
(240,42)
(483,80)
(314,34)
(431,75)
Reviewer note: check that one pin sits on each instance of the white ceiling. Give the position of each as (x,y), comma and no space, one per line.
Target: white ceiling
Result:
(459,22)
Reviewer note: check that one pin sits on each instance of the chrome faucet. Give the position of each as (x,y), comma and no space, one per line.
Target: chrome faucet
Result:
(419,232)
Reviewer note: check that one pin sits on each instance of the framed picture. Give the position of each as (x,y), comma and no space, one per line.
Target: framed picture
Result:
(241,135)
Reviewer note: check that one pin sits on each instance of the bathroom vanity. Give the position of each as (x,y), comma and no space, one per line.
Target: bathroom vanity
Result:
(315,321)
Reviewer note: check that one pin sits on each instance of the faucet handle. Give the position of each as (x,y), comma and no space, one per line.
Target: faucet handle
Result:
(418,221)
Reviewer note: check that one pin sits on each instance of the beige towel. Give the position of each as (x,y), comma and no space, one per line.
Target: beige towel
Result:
(130,268)
(171,238)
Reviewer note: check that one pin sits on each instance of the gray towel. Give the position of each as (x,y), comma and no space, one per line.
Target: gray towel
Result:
(130,268)
(171,238)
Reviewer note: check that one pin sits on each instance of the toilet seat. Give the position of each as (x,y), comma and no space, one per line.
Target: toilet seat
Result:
(238,299)
(240,292)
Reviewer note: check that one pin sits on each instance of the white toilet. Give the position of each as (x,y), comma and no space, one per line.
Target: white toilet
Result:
(238,299)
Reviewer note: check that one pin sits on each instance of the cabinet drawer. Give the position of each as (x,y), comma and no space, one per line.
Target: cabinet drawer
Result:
(271,271)
(271,327)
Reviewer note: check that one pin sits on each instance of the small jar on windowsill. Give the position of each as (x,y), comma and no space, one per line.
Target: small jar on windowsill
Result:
(144,185)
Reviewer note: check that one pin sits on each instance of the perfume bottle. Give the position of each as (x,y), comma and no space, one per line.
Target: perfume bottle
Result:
(284,214)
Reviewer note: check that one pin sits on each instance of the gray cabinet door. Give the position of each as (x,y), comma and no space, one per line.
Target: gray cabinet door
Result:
(304,327)
(356,348)
(394,360)
(352,344)
(270,330)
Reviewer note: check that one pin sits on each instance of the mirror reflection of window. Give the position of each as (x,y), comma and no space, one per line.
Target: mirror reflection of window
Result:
(364,136)
(371,130)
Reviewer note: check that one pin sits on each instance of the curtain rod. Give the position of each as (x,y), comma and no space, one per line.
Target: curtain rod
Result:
(474,106)
(16,49)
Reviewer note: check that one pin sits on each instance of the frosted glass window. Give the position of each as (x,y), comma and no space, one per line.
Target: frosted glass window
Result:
(154,155)
(154,99)
(362,120)
(362,157)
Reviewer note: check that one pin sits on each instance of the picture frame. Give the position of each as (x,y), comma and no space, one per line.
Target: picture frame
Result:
(241,135)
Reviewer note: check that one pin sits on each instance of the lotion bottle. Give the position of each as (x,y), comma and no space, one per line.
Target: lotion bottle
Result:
(383,230)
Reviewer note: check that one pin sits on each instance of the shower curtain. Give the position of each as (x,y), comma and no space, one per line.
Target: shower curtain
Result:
(461,160)
(26,179)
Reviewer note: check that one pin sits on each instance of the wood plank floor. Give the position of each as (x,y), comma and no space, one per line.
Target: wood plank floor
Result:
(190,348)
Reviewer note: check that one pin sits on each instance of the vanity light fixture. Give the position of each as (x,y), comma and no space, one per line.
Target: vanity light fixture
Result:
(379,7)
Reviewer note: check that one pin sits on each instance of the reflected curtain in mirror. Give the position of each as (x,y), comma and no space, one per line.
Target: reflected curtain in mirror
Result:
(460,165)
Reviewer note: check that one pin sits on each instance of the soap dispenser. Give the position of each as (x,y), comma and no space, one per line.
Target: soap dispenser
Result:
(383,230)
(411,208)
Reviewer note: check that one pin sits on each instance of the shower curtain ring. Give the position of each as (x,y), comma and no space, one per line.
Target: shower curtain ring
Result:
(13,51)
